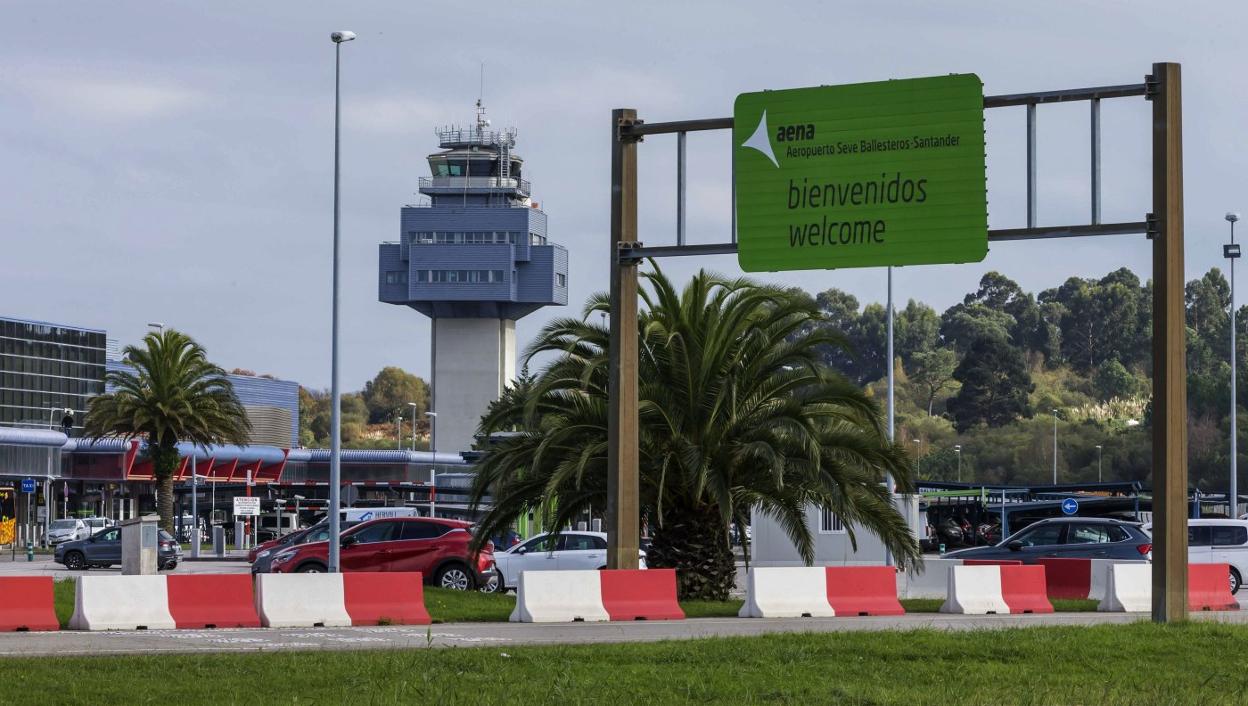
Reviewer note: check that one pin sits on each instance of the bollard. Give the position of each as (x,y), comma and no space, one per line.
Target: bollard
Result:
(240,535)
(218,541)
(30,550)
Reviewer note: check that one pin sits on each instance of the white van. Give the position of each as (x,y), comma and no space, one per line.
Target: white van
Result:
(364,514)
(1220,542)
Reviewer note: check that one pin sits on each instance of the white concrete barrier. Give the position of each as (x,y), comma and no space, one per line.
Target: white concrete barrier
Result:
(559,597)
(932,582)
(787,592)
(121,603)
(1128,588)
(975,590)
(301,600)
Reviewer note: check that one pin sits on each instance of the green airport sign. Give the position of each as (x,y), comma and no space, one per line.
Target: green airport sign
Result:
(861,175)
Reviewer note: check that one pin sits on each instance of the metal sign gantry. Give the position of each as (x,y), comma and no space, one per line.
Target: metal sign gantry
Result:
(1163,225)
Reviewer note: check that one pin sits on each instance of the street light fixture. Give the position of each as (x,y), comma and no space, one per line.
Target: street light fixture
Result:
(917,446)
(160,328)
(413,406)
(957,448)
(1231,252)
(1098,463)
(335,397)
(433,452)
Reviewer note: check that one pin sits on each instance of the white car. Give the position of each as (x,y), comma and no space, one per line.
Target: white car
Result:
(67,530)
(1220,542)
(547,552)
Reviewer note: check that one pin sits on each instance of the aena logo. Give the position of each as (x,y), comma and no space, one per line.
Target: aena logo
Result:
(761,141)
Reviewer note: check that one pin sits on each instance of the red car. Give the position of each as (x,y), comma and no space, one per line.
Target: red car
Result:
(435,547)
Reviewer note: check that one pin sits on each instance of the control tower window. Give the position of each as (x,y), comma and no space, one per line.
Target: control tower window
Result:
(535,239)
(460,276)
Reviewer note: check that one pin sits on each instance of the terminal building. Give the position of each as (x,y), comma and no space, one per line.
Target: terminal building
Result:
(475,259)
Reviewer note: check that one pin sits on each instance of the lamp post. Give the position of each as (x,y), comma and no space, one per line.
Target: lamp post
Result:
(917,447)
(335,398)
(413,406)
(1098,463)
(1054,446)
(1231,252)
(433,452)
(957,448)
(160,327)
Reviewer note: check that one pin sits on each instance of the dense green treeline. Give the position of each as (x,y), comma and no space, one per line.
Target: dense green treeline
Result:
(989,373)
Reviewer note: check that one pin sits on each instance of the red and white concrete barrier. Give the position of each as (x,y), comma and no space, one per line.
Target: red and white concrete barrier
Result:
(996,589)
(820,592)
(596,596)
(1129,588)
(121,603)
(385,598)
(26,603)
(211,601)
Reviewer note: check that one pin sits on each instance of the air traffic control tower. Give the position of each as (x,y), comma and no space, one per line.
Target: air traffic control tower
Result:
(474,260)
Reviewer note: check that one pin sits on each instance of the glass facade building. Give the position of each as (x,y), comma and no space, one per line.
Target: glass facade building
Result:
(46,368)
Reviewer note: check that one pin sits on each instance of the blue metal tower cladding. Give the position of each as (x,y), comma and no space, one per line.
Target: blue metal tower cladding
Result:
(474,259)
(479,249)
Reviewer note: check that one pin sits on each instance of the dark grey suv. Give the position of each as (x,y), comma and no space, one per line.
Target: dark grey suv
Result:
(1068,537)
(103,549)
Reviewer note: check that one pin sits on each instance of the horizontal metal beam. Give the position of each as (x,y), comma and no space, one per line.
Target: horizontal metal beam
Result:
(1064,96)
(640,252)
(640,129)
(1006,234)
(1072,94)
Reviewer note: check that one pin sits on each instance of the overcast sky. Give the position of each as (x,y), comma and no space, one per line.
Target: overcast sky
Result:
(171,161)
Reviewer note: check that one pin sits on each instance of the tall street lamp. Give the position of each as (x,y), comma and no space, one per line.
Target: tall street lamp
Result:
(1098,463)
(433,467)
(917,447)
(1231,252)
(1054,446)
(413,406)
(957,448)
(160,328)
(335,398)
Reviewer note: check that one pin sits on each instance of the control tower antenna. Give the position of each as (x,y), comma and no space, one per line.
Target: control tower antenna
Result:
(482,122)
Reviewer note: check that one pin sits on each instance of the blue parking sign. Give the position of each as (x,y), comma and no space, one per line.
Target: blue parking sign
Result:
(1070,506)
(28,485)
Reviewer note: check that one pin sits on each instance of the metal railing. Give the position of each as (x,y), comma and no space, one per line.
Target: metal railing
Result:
(459,182)
(471,135)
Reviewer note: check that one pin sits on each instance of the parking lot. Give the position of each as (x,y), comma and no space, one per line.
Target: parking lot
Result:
(44,566)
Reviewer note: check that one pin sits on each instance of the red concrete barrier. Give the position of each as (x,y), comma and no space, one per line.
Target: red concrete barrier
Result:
(863,590)
(1023,589)
(634,594)
(212,601)
(26,603)
(393,599)
(991,562)
(1067,578)
(1209,587)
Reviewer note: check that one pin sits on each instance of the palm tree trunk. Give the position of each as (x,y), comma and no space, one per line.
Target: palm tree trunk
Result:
(695,543)
(164,465)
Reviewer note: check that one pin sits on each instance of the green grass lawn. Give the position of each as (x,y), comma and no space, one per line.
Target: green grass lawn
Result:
(446,606)
(1139,663)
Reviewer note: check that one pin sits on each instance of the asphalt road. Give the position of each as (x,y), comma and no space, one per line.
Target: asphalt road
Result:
(502,635)
(44,566)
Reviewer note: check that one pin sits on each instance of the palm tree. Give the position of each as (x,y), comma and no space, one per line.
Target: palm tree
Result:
(736,413)
(169,393)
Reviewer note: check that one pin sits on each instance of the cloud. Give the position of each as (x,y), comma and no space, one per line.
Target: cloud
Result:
(392,116)
(106,98)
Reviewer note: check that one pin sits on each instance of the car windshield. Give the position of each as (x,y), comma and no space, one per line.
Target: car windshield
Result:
(64,524)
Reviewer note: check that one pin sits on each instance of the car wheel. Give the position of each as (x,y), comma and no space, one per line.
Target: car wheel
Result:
(311,569)
(495,584)
(170,565)
(454,577)
(75,561)
(1236,581)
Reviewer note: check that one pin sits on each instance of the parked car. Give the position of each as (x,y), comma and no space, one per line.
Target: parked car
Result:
(95,524)
(262,555)
(1068,537)
(67,530)
(548,551)
(103,549)
(436,547)
(1218,541)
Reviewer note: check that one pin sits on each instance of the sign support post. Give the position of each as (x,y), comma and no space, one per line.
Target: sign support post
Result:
(623,489)
(1169,354)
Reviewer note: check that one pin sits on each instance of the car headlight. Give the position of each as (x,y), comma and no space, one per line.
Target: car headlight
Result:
(263,554)
(283,557)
